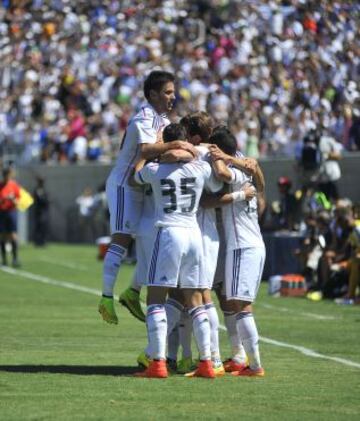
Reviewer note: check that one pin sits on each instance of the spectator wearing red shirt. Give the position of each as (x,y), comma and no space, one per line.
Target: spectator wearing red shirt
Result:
(9,194)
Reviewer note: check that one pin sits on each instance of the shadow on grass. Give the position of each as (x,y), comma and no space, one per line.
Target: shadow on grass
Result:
(81,370)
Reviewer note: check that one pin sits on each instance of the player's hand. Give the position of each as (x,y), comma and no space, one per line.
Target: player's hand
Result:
(250,165)
(181,144)
(216,153)
(249,190)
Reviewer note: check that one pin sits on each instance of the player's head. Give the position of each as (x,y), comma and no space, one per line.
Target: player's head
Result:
(159,90)
(199,126)
(223,139)
(174,131)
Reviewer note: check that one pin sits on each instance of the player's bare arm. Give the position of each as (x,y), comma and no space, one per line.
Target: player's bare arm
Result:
(154,150)
(225,198)
(221,170)
(248,165)
(176,155)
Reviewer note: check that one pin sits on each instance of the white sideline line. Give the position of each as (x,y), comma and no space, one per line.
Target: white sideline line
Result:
(64,264)
(302,313)
(49,281)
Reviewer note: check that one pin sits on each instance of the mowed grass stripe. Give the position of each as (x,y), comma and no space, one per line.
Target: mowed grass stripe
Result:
(49,281)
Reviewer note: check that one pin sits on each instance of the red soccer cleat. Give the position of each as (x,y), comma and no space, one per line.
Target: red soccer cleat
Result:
(249,372)
(204,369)
(156,370)
(230,365)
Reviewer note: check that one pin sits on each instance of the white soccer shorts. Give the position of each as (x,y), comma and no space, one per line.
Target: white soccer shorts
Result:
(176,258)
(243,271)
(144,244)
(219,276)
(125,206)
(210,253)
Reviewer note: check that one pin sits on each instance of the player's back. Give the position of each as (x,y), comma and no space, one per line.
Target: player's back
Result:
(240,219)
(177,190)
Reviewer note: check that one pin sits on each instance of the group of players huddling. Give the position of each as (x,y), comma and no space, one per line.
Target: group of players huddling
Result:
(192,201)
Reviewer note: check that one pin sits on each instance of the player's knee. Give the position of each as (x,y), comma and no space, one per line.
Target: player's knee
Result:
(239,306)
(156,295)
(121,239)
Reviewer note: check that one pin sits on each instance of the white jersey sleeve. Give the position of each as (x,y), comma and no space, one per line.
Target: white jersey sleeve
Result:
(147,174)
(145,131)
(212,184)
(239,177)
(147,125)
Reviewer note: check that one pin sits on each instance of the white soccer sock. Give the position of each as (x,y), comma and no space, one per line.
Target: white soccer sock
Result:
(173,343)
(201,327)
(157,327)
(148,351)
(173,312)
(249,336)
(214,330)
(237,350)
(112,262)
(185,334)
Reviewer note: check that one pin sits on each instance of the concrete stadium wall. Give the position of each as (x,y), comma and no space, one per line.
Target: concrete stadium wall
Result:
(66,182)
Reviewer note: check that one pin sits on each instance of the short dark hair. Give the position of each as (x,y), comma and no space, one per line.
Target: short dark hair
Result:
(156,80)
(199,123)
(224,139)
(174,131)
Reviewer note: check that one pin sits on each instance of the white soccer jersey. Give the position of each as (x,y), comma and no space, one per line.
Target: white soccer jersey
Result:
(206,216)
(240,219)
(177,190)
(125,202)
(143,127)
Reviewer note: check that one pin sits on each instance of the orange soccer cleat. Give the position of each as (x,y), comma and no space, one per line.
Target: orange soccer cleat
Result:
(204,369)
(230,366)
(156,370)
(249,372)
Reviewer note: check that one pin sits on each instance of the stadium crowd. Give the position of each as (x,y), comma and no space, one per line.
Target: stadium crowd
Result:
(71,71)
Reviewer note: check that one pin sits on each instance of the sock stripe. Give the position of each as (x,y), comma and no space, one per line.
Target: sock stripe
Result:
(243,315)
(197,311)
(198,314)
(209,305)
(155,312)
(228,313)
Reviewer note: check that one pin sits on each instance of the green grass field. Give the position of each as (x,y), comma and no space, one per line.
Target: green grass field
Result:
(60,361)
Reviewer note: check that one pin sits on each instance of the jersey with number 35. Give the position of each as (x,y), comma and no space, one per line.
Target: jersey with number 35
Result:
(177,190)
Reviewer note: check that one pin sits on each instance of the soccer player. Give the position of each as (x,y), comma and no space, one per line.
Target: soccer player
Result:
(9,194)
(199,127)
(177,255)
(125,202)
(245,254)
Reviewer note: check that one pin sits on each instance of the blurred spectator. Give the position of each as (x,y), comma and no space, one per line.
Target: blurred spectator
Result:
(283,67)
(86,203)
(40,212)
(288,206)
(330,172)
